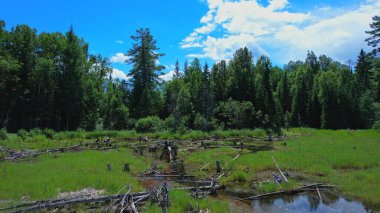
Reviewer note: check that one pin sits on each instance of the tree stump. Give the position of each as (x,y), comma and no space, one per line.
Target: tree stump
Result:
(178,167)
(126,167)
(218,169)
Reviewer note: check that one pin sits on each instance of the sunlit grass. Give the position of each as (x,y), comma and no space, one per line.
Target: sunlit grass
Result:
(47,175)
(181,201)
(348,159)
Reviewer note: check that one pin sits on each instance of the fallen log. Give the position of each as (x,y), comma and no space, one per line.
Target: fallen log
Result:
(163,176)
(196,188)
(194,182)
(289,192)
(282,174)
(59,203)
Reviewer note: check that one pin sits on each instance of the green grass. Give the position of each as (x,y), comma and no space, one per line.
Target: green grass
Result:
(348,159)
(181,201)
(47,175)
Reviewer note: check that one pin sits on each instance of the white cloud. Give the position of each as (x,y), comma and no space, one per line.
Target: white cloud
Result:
(284,34)
(118,74)
(119,58)
(168,76)
(119,41)
(223,48)
(169,73)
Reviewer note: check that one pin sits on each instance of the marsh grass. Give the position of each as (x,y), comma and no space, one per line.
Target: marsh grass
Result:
(46,176)
(181,201)
(346,158)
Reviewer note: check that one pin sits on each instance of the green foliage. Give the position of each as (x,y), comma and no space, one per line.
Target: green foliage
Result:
(376,125)
(235,114)
(374,39)
(3,134)
(49,133)
(143,56)
(238,176)
(49,80)
(148,124)
(22,133)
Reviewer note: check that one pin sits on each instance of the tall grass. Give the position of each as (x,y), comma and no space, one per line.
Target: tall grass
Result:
(48,175)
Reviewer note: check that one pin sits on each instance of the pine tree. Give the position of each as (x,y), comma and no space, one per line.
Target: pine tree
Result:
(186,70)
(71,79)
(363,72)
(241,68)
(176,70)
(312,61)
(207,97)
(219,81)
(284,94)
(374,39)
(144,73)
(268,106)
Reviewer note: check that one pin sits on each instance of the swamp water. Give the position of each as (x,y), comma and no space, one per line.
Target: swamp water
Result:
(309,202)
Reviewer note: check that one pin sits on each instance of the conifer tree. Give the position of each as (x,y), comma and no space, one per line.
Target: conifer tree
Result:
(144,73)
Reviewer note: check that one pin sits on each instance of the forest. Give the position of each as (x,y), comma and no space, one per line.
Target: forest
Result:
(50,81)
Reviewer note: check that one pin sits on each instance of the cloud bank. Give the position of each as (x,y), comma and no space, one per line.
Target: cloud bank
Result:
(278,32)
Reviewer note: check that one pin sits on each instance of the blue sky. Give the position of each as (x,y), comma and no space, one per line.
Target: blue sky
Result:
(209,29)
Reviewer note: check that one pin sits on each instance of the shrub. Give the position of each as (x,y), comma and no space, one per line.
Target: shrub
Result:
(35,132)
(376,125)
(49,133)
(22,133)
(3,134)
(148,124)
(234,114)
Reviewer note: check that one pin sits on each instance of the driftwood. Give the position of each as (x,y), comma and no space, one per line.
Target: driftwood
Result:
(48,204)
(282,174)
(203,167)
(200,182)
(312,187)
(167,176)
(197,188)
(18,155)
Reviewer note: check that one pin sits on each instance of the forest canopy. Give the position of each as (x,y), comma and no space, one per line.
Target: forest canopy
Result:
(49,80)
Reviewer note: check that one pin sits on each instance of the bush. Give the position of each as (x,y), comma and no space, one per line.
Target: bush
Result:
(234,114)
(49,133)
(148,124)
(35,132)
(201,123)
(3,134)
(376,125)
(22,133)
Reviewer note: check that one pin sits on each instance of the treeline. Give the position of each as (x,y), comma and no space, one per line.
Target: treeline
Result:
(49,80)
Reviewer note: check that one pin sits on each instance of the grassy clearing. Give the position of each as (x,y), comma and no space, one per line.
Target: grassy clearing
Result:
(349,159)
(46,176)
(181,201)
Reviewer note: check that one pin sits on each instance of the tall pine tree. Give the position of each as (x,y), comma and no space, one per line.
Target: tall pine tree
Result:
(144,73)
